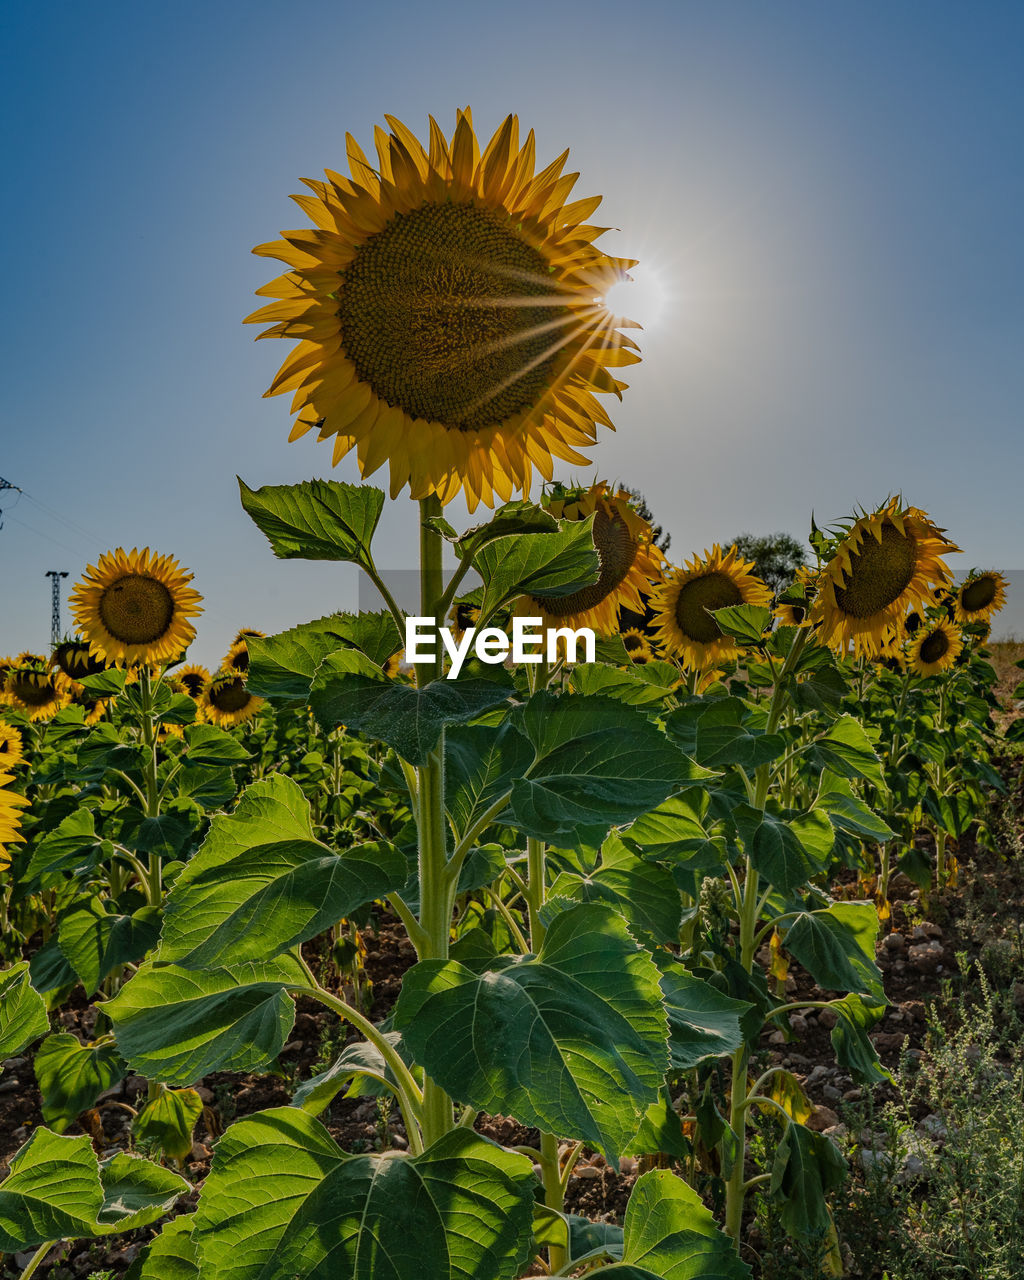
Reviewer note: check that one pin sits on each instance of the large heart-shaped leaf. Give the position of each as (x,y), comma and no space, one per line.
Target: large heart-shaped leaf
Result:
(283,666)
(481,763)
(349,689)
(847,750)
(537,564)
(316,520)
(171,1255)
(177,1026)
(72,1076)
(573,1040)
(670,1235)
(284,1202)
(702,1022)
(167,1120)
(837,947)
(135,1193)
(73,844)
(596,763)
(96,942)
(22,1011)
(261,883)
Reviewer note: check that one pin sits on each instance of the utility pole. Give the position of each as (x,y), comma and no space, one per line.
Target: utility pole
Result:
(55,576)
(6,484)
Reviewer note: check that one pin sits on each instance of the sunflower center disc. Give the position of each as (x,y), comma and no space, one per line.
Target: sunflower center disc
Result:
(33,691)
(436,316)
(979,594)
(879,573)
(711,591)
(934,647)
(232,696)
(193,684)
(136,609)
(616,552)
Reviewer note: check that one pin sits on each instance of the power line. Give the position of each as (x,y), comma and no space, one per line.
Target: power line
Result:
(6,484)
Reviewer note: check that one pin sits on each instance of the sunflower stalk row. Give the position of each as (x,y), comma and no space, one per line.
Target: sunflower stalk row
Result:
(606,869)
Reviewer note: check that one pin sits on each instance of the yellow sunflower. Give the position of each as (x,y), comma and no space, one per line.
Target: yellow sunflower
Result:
(134,607)
(27,659)
(887,563)
(715,580)
(10,819)
(247,633)
(75,659)
(449,311)
(979,597)
(191,679)
(11,751)
(626,554)
(935,649)
(793,614)
(637,645)
(35,691)
(237,658)
(95,708)
(226,701)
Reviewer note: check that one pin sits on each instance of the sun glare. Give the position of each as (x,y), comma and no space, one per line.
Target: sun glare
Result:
(644,297)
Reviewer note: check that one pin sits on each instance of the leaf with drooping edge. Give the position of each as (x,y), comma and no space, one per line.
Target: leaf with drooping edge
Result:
(837,947)
(22,1011)
(166,1122)
(282,666)
(316,520)
(72,1075)
(171,1255)
(261,883)
(573,1040)
(284,1202)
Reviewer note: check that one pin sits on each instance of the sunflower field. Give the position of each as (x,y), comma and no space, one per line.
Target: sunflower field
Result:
(328,964)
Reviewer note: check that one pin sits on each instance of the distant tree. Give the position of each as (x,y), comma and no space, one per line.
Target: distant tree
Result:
(661,538)
(776,557)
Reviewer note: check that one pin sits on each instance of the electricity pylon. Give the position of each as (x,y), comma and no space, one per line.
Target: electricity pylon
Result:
(55,576)
(6,484)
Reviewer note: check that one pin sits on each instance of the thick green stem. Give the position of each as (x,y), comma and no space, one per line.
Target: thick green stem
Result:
(153,883)
(435,891)
(37,1258)
(554,1193)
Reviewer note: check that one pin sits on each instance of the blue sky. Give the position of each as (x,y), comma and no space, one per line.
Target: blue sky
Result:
(827,202)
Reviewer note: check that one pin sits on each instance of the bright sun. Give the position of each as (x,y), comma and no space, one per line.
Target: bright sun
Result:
(643,298)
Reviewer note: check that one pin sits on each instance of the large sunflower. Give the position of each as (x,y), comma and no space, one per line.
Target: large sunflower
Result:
(935,649)
(449,308)
(134,607)
(10,819)
(716,580)
(11,752)
(626,554)
(979,596)
(35,691)
(226,701)
(887,563)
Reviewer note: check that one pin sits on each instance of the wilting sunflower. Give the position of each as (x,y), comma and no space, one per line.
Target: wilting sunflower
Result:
(226,701)
(248,633)
(134,607)
(637,646)
(75,659)
(10,819)
(192,679)
(237,658)
(793,613)
(887,563)
(27,659)
(449,307)
(627,557)
(935,649)
(716,580)
(35,691)
(11,752)
(979,597)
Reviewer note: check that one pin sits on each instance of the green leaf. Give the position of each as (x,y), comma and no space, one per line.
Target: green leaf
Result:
(702,1023)
(775,848)
(262,884)
(283,666)
(644,893)
(167,1121)
(348,689)
(96,943)
(597,764)
(847,750)
(572,1040)
(837,947)
(660,1131)
(284,1202)
(746,623)
(481,763)
(72,844)
(636,685)
(72,1075)
(669,1235)
(53,1192)
(105,684)
(177,1026)
(848,812)
(850,1039)
(357,1059)
(512,520)
(165,834)
(171,1255)
(674,832)
(807,1166)
(316,520)
(207,744)
(538,564)
(136,1192)
(22,1011)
